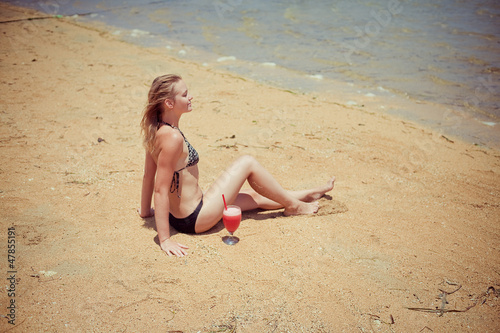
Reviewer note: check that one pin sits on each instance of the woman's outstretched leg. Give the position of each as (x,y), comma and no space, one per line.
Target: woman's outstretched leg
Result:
(248,199)
(230,183)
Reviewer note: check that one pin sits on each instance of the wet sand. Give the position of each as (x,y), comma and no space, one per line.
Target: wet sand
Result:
(413,216)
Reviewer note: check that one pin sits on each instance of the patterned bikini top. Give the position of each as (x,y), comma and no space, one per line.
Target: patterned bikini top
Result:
(193,159)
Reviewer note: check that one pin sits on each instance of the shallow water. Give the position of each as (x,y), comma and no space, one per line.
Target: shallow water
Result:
(445,53)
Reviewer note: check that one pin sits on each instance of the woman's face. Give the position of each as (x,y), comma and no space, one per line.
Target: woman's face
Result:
(183,99)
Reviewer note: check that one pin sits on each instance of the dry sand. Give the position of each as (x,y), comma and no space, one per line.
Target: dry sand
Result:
(413,213)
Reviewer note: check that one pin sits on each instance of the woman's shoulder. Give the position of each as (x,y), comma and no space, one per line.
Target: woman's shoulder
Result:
(169,138)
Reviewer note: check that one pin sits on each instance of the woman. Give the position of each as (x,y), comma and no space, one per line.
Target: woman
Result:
(171,172)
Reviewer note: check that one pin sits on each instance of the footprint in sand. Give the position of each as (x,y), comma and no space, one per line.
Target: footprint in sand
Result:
(329,207)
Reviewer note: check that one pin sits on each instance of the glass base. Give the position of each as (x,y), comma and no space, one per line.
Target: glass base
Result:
(230,240)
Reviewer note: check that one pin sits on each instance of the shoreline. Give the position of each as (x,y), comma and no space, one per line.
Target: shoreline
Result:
(448,120)
(412,212)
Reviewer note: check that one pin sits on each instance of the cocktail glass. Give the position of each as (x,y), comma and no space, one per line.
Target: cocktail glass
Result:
(231,219)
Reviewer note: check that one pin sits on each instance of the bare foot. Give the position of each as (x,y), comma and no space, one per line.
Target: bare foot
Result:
(316,193)
(304,208)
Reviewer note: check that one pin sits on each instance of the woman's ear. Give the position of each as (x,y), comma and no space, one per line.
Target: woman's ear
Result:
(169,103)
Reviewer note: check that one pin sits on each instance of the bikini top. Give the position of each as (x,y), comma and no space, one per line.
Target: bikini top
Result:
(193,159)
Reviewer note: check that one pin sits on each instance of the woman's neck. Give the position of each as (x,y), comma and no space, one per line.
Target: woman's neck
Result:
(170,119)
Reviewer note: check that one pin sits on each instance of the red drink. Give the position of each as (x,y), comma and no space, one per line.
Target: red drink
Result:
(232,218)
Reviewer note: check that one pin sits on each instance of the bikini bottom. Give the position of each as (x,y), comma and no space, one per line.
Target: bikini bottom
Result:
(186,224)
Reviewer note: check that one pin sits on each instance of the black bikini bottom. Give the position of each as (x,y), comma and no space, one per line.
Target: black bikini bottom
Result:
(186,224)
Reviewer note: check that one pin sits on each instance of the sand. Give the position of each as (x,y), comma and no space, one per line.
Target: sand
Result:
(413,217)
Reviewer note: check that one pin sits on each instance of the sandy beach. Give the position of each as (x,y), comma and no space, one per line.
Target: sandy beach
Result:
(408,240)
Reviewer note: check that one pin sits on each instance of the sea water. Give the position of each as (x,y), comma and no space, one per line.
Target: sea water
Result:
(439,60)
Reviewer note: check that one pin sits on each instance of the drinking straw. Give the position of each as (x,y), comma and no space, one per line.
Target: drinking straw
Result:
(224,201)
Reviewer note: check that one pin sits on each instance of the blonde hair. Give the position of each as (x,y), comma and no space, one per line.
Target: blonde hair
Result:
(161,89)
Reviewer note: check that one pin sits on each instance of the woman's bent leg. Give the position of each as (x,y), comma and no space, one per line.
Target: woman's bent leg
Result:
(230,183)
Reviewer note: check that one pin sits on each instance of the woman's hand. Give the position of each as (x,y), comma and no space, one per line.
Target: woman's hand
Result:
(173,248)
(151,213)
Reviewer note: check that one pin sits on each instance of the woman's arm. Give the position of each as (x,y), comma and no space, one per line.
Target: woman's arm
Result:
(170,150)
(148,182)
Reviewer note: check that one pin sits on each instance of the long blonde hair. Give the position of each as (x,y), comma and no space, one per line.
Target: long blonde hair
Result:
(161,89)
